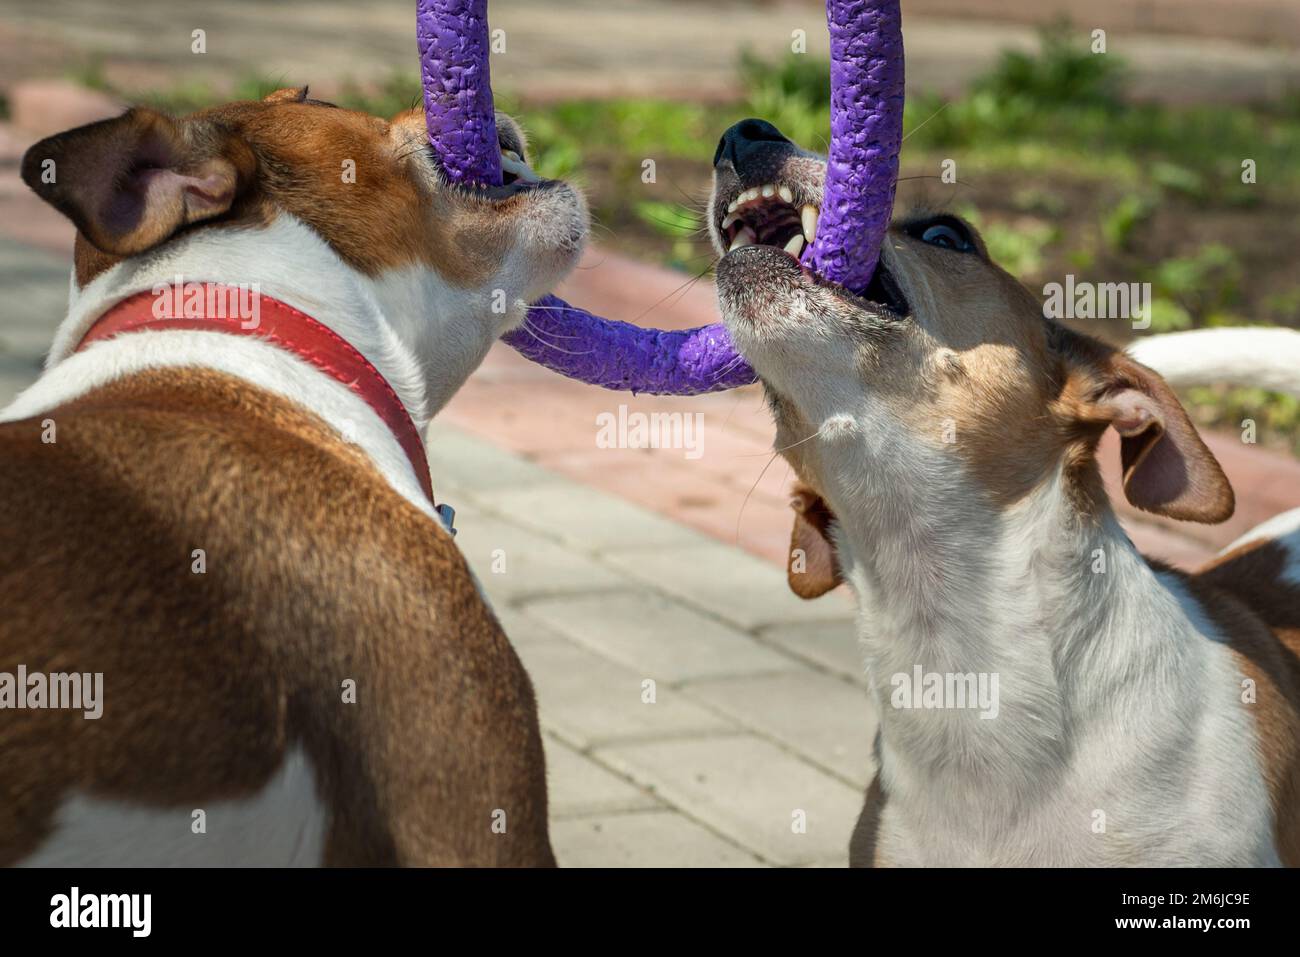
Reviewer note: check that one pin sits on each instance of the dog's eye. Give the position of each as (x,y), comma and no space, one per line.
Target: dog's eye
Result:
(947,233)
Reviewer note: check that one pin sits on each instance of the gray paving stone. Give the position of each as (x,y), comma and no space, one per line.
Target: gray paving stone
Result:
(832,645)
(657,636)
(643,839)
(521,628)
(527,564)
(586,699)
(823,718)
(749,790)
(35,299)
(579,787)
(584,517)
(13,379)
(472,464)
(729,583)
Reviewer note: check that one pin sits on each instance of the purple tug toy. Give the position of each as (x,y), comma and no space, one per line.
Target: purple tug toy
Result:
(866,133)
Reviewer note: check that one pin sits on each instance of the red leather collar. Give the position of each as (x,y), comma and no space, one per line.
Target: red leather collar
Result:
(280,324)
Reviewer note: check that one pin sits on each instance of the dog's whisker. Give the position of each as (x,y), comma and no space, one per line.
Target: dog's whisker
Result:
(754,455)
(741,515)
(528,328)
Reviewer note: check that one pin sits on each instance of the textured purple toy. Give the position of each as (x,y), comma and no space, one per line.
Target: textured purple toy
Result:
(453,40)
(866,131)
(619,355)
(866,134)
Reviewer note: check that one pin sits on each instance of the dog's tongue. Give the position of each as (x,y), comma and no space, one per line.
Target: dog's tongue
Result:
(866,133)
(453,40)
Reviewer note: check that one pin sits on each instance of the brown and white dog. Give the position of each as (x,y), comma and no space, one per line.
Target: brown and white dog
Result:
(946,434)
(230,522)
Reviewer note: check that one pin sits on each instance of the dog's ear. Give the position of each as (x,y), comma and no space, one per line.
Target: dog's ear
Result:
(813,568)
(131,182)
(290,94)
(1167,469)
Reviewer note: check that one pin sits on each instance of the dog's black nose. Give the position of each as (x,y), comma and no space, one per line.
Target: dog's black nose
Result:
(747,143)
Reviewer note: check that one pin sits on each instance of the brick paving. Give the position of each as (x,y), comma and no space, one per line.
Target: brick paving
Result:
(682,727)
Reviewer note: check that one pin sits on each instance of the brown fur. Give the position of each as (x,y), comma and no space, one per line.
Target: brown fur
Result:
(864,849)
(283,153)
(1243,591)
(317,572)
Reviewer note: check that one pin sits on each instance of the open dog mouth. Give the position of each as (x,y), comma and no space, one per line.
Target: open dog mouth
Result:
(774,215)
(767,216)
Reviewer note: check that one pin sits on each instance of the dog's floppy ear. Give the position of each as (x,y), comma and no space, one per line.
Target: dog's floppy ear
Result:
(131,182)
(813,568)
(1167,469)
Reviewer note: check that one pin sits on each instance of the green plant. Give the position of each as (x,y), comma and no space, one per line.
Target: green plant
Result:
(1276,416)
(1119,224)
(804,77)
(1178,179)
(1064,71)
(1204,284)
(1168,316)
(677,222)
(90,74)
(793,93)
(1285,306)
(398,91)
(1019,248)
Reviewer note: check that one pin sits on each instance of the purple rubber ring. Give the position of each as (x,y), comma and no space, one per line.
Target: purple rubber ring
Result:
(628,358)
(866,135)
(862,172)
(454,73)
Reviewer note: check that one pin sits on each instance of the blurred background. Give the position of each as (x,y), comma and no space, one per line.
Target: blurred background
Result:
(1122,166)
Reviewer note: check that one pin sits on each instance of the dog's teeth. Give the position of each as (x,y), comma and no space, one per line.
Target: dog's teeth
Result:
(809,216)
(786,194)
(768,191)
(731,208)
(731,218)
(511,163)
(748,196)
(743,238)
(795,246)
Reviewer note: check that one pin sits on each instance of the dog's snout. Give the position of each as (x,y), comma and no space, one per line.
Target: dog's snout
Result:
(748,144)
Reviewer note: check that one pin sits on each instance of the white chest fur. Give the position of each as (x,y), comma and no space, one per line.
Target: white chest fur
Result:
(283,825)
(1120,737)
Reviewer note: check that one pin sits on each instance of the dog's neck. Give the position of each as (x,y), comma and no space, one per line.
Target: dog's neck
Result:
(423,336)
(1058,605)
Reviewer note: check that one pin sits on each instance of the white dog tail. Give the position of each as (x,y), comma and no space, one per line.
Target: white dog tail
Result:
(1262,357)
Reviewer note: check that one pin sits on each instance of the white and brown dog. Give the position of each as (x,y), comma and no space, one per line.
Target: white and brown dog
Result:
(946,433)
(216,498)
